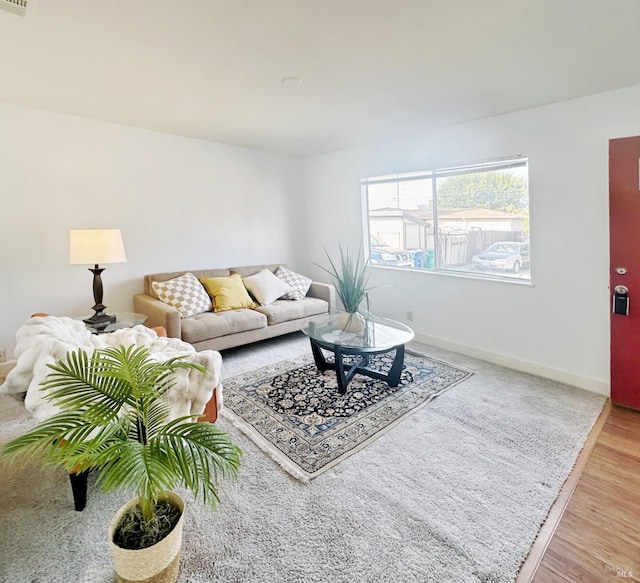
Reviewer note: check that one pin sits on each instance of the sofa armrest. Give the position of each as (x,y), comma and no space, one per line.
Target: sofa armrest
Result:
(324,291)
(158,314)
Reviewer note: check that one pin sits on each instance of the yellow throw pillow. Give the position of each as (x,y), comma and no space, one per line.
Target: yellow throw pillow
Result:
(228,293)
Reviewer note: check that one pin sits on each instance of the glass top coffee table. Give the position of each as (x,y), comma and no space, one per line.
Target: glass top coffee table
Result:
(377,336)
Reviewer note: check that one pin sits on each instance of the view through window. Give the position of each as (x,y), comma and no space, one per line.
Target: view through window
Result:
(471,219)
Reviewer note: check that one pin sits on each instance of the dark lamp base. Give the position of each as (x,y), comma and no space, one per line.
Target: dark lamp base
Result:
(100,320)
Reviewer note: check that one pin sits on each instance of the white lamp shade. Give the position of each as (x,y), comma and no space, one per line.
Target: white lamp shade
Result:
(94,246)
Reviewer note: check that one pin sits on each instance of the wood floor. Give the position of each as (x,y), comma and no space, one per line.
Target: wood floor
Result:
(598,535)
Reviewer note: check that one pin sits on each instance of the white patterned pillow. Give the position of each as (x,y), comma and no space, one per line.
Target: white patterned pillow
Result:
(299,283)
(185,293)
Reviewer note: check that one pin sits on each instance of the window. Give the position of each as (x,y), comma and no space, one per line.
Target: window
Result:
(471,219)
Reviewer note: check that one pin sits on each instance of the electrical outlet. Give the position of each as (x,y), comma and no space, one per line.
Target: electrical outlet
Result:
(409,316)
(3,355)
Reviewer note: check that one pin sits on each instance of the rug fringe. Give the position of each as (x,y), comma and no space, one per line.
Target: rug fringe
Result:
(266,446)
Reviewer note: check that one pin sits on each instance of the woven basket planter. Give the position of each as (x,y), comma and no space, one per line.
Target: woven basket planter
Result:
(159,563)
(351,322)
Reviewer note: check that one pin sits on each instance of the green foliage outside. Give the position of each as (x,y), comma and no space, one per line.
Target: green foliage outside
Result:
(491,190)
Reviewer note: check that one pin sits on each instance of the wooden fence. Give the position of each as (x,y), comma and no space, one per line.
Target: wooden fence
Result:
(459,248)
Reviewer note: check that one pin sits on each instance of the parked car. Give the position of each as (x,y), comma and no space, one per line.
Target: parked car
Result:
(503,255)
(383,254)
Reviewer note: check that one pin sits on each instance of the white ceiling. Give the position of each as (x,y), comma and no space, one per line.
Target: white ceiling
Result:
(371,69)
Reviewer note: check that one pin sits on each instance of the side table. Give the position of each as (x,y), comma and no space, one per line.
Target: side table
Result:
(123,320)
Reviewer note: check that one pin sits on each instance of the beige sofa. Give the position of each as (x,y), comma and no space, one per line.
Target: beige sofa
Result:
(220,330)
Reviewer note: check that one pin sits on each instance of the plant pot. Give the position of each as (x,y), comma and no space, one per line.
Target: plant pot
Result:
(159,563)
(351,322)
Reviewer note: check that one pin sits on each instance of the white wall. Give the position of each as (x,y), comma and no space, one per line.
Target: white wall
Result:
(184,203)
(559,327)
(180,204)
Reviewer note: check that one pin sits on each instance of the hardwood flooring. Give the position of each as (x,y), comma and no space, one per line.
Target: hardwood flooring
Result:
(598,535)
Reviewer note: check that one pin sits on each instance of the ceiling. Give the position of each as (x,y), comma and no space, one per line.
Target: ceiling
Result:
(370,69)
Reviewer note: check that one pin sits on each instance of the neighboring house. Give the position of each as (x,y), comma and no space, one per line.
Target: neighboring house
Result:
(399,228)
(413,229)
(467,219)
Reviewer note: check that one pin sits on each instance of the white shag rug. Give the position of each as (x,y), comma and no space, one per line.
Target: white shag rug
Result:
(455,493)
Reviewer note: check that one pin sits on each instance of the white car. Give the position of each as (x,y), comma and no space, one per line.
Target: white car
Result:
(503,255)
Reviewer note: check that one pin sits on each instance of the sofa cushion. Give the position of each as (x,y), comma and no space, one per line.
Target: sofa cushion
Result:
(300,284)
(228,293)
(266,287)
(285,310)
(185,293)
(214,324)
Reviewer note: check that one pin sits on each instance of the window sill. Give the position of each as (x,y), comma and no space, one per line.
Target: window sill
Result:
(459,274)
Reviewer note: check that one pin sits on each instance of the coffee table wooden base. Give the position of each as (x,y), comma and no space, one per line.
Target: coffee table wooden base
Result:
(346,372)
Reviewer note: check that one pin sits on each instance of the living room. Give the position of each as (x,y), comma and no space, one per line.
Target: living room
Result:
(198,202)
(166,194)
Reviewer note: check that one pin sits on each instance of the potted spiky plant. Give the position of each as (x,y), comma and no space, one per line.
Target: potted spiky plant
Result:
(114,421)
(352,285)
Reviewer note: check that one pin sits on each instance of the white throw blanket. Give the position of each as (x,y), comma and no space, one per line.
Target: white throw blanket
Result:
(45,340)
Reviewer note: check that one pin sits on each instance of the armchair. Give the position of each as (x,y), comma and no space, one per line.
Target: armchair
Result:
(44,340)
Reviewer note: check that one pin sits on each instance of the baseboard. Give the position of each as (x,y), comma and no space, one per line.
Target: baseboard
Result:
(553,374)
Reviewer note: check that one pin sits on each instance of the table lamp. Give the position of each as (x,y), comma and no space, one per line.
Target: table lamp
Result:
(95,246)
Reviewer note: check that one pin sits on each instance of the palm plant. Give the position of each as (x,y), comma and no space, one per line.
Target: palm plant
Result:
(112,419)
(351,278)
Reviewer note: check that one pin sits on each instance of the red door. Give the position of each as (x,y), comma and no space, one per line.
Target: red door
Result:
(624,235)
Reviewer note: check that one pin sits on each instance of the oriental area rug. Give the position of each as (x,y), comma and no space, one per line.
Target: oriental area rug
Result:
(295,413)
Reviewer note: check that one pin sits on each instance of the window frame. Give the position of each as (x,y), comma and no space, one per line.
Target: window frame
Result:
(494,164)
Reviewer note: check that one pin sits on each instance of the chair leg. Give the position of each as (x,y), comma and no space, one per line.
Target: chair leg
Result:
(79,489)
(211,409)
